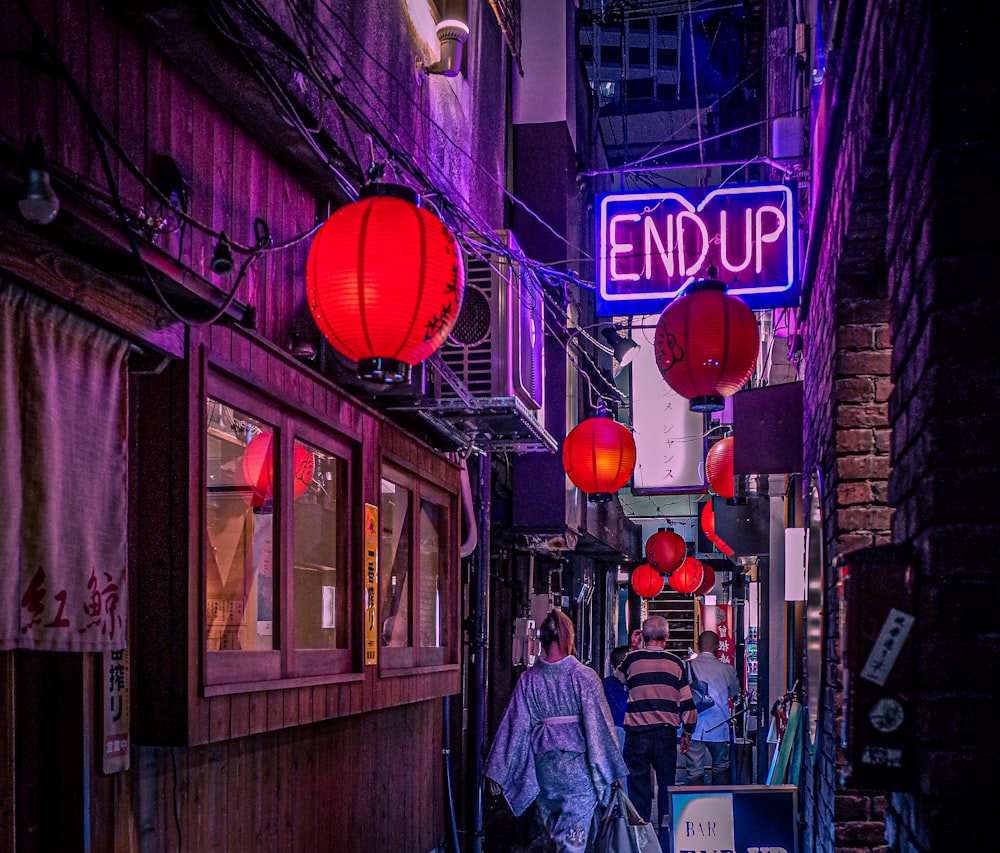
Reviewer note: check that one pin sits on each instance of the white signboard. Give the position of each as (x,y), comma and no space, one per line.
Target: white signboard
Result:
(669,441)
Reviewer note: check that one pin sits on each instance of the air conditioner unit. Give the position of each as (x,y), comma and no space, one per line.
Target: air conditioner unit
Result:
(497,345)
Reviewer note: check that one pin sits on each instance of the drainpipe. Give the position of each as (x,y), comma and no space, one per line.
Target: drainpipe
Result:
(478,649)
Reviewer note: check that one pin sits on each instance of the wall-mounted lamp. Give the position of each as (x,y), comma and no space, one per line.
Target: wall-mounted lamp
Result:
(38,203)
(222,257)
(452,35)
(624,349)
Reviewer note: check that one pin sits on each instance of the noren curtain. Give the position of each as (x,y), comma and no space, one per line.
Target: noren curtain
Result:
(63,484)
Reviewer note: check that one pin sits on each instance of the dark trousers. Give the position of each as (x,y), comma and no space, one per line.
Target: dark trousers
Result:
(645,749)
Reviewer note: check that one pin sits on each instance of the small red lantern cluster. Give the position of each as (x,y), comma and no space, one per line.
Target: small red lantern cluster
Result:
(719,467)
(646,581)
(706,345)
(258,469)
(599,456)
(688,577)
(384,282)
(665,551)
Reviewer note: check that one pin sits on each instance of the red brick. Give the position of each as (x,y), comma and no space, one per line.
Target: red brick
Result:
(860,832)
(863,416)
(854,493)
(874,363)
(855,441)
(857,389)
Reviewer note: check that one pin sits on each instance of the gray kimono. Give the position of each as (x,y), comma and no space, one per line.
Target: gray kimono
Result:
(556,746)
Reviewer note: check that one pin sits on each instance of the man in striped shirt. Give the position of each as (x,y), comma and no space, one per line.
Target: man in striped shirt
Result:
(659,703)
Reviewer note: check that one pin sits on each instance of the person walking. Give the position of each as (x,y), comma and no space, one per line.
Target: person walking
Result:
(710,744)
(616,693)
(659,704)
(556,745)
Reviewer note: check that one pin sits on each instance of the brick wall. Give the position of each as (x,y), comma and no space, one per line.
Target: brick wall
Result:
(901,407)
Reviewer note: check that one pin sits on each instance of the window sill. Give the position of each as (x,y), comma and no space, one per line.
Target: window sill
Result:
(280,684)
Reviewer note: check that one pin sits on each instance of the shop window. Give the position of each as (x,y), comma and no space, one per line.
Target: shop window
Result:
(276,580)
(414,571)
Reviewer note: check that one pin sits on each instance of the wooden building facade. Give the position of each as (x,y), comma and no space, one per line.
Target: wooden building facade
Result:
(254,722)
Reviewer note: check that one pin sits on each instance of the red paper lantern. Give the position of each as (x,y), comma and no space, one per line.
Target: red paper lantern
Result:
(719,467)
(708,521)
(258,469)
(665,551)
(706,345)
(384,282)
(688,577)
(708,581)
(646,581)
(598,456)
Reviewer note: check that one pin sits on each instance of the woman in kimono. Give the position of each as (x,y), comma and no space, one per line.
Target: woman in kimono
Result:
(556,744)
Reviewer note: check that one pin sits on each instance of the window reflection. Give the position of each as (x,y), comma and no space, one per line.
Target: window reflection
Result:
(394,563)
(430,573)
(239,542)
(319,591)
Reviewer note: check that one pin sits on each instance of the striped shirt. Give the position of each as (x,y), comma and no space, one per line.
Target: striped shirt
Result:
(658,691)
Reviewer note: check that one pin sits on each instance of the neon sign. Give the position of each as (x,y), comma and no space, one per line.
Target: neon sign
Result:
(652,245)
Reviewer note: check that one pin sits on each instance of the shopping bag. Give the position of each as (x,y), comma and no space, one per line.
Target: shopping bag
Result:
(622,830)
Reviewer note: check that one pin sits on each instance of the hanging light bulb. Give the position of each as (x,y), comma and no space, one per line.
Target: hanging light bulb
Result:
(38,203)
(222,257)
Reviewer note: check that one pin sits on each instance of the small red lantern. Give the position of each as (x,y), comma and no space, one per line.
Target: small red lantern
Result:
(706,345)
(258,469)
(665,550)
(646,581)
(708,581)
(688,577)
(708,521)
(598,456)
(719,467)
(384,282)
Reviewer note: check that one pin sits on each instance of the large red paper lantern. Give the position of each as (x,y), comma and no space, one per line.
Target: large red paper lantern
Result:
(708,581)
(258,469)
(384,282)
(598,456)
(646,581)
(706,345)
(688,577)
(665,551)
(719,467)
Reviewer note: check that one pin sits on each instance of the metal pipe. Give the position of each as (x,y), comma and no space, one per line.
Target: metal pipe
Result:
(478,648)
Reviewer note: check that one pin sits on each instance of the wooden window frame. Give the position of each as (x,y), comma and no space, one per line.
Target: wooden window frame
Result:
(248,671)
(404,660)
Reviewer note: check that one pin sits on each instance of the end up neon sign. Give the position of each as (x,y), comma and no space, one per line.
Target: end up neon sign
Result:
(652,245)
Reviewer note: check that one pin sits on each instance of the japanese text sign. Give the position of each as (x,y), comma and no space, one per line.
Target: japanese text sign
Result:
(652,245)
(371,585)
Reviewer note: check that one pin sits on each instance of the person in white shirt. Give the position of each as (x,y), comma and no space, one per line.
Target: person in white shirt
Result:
(710,742)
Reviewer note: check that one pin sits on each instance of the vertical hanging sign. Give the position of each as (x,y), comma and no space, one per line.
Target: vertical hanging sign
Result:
(720,618)
(371,584)
(115,710)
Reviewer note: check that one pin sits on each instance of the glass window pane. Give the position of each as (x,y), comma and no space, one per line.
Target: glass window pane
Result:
(319,594)
(431,574)
(239,562)
(394,563)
